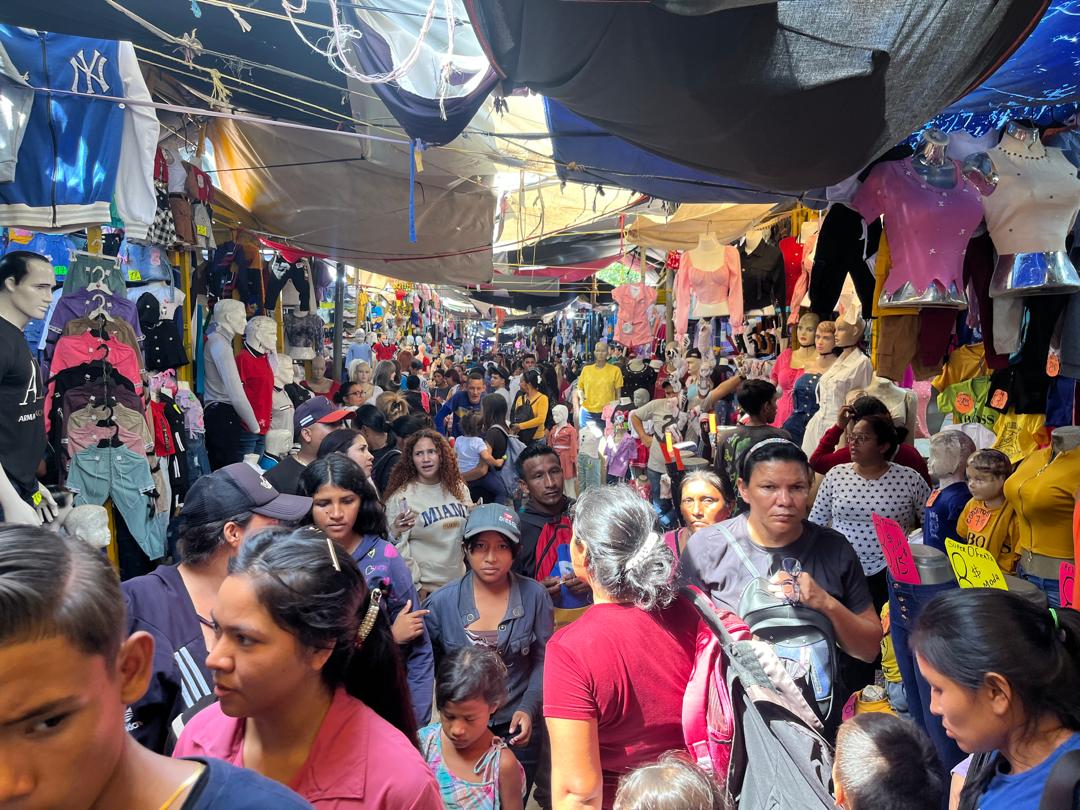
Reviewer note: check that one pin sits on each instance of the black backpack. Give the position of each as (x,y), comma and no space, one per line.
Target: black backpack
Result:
(779,757)
(1059,793)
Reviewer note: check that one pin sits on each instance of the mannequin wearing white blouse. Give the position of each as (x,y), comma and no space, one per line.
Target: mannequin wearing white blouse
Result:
(851,370)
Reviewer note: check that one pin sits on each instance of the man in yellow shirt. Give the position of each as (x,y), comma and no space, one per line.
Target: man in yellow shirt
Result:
(598,385)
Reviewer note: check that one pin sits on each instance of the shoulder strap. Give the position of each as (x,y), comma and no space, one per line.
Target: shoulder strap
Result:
(736,546)
(1060,790)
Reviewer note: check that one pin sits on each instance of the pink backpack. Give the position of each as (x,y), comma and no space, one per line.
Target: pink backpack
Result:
(708,720)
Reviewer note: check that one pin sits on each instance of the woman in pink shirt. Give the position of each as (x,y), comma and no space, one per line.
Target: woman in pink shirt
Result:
(310,686)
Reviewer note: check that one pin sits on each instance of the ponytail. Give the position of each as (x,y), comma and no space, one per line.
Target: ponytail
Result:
(314,590)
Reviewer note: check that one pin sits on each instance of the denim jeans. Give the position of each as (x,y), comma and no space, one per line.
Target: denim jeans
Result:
(667,517)
(251,443)
(898,699)
(584,417)
(1051,587)
(905,604)
(588,472)
(198,464)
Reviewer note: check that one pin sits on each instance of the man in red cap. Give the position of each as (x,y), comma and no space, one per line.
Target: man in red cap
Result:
(312,421)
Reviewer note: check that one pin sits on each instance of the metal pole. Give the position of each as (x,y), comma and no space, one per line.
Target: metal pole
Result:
(339,316)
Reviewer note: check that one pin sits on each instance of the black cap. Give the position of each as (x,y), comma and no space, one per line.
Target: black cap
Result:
(239,488)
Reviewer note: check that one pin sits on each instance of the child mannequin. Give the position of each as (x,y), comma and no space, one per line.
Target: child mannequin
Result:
(988,521)
(949,453)
(563,439)
(588,460)
(618,447)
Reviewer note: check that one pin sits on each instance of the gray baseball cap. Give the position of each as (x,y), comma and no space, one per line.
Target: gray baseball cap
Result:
(493,517)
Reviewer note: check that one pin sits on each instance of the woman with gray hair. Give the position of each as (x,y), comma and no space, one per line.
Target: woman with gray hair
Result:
(614,679)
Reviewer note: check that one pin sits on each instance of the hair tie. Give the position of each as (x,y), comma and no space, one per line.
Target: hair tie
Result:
(643,550)
(369,618)
(1057,625)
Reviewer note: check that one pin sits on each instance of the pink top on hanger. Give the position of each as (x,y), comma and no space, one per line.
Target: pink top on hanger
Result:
(709,286)
(632,327)
(928,227)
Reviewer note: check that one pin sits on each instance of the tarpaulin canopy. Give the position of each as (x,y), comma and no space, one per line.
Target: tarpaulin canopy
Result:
(782,96)
(587,154)
(318,189)
(682,230)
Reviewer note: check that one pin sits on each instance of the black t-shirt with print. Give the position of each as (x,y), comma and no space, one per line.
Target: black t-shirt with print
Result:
(22,410)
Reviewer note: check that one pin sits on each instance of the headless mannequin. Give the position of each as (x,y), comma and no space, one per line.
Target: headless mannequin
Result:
(753,239)
(18,304)
(709,255)
(1063,440)
(224,392)
(931,162)
(902,403)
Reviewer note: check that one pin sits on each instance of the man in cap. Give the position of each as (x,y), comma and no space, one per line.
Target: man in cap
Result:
(173,602)
(312,422)
(513,614)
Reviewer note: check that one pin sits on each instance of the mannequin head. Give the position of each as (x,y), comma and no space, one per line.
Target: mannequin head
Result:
(89,523)
(806,330)
(825,337)
(26,283)
(949,454)
(560,414)
(600,352)
(279,443)
(1065,438)
(693,363)
(360,372)
(231,316)
(641,398)
(849,334)
(261,334)
(318,367)
(284,374)
(986,474)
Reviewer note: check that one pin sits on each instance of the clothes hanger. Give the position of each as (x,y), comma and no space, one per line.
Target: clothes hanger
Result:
(102,308)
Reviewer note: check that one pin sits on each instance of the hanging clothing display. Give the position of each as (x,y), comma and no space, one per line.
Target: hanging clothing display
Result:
(850,371)
(763,283)
(633,327)
(722,284)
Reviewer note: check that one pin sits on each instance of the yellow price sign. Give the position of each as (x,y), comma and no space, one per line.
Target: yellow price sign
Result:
(134,275)
(974,567)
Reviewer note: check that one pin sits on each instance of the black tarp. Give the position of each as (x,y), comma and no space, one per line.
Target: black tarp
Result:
(792,95)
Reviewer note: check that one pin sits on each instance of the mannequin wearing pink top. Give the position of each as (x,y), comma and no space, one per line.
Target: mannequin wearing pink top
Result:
(791,364)
(712,274)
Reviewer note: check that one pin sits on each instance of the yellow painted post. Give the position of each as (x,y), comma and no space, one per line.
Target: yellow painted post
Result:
(185,372)
(93,240)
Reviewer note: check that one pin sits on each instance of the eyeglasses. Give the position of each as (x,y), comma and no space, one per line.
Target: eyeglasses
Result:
(861,438)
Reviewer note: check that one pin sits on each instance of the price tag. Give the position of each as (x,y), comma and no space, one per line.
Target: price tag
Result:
(933,497)
(999,399)
(1066,579)
(134,275)
(974,567)
(978,518)
(202,230)
(36,499)
(60,270)
(1053,363)
(964,403)
(898,557)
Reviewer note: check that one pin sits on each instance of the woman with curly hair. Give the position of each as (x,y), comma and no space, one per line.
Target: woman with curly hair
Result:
(427,504)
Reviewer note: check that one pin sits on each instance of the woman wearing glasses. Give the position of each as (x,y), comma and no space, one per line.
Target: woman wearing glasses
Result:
(871,484)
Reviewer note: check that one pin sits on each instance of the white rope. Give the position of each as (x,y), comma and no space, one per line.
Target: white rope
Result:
(338,46)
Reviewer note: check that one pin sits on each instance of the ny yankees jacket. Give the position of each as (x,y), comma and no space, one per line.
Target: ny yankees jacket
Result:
(78,151)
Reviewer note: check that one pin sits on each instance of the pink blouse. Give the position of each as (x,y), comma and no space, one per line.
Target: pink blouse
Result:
(633,327)
(928,227)
(785,376)
(713,286)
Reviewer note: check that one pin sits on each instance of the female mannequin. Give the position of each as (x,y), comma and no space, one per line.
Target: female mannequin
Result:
(903,403)
(317,382)
(852,369)
(804,392)
(255,368)
(709,280)
(1043,493)
(638,374)
(227,410)
(791,363)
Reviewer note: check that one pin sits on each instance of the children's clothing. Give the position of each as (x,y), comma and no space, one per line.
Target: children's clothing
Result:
(996,530)
(457,793)
(468,450)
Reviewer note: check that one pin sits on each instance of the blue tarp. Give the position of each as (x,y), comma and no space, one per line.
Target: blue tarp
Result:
(599,157)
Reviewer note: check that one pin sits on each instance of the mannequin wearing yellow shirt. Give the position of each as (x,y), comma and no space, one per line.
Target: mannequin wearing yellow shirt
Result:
(1043,493)
(988,521)
(598,385)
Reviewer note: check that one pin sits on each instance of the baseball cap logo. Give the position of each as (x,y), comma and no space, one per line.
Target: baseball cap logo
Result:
(264,483)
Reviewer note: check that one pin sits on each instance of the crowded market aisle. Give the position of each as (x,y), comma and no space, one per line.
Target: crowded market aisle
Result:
(254,557)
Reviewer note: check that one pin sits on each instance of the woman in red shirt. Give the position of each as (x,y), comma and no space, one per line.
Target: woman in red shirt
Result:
(614,679)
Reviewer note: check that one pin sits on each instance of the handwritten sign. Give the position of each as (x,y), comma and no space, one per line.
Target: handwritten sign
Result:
(898,557)
(974,567)
(712,423)
(1066,578)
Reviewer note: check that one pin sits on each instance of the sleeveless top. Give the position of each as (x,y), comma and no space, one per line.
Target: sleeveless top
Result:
(456,793)
(804,398)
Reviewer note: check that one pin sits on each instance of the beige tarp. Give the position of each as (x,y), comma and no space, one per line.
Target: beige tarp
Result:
(682,230)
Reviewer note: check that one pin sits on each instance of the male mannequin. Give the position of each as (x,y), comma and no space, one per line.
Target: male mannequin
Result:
(253,363)
(282,416)
(384,349)
(359,350)
(26,282)
(949,453)
(227,411)
(598,385)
